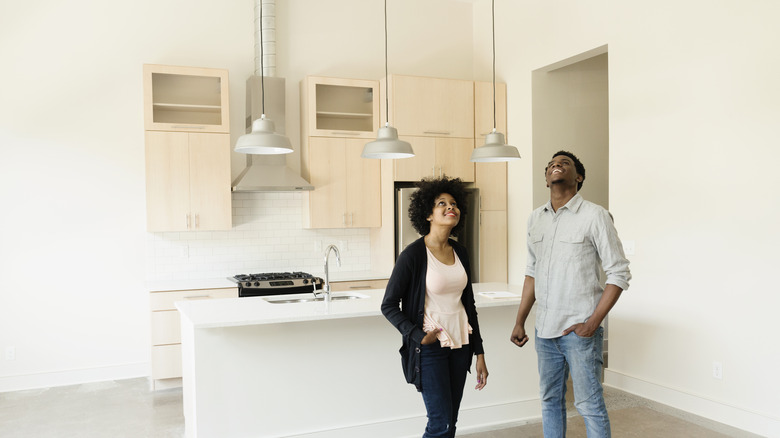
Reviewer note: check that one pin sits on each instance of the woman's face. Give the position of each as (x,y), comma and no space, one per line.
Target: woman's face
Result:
(445,211)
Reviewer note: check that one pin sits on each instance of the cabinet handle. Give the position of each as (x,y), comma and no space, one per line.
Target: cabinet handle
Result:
(187,127)
(355,134)
(437,132)
(197,221)
(365,286)
(198,297)
(187,221)
(351,220)
(344,219)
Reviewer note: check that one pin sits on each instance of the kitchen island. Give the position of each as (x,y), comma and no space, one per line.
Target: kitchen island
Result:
(253,368)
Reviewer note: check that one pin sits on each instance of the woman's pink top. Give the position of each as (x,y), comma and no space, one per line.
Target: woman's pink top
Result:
(444,310)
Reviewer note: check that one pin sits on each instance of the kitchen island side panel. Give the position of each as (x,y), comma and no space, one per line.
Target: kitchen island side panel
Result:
(339,378)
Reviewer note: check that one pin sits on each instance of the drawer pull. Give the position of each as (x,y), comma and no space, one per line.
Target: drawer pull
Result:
(198,297)
(366,286)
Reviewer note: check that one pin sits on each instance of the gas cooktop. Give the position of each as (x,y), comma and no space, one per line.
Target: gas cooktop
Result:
(275,283)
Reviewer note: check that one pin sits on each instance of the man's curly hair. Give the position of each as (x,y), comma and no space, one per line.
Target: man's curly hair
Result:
(423,200)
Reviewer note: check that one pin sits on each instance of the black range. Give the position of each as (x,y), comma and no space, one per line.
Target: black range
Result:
(275,283)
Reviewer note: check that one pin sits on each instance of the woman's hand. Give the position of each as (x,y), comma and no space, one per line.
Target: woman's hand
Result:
(482,372)
(430,337)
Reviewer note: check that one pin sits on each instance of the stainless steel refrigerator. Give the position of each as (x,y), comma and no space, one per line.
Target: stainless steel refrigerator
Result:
(469,236)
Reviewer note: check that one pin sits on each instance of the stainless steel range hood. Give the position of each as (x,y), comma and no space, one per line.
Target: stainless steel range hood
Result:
(267,173)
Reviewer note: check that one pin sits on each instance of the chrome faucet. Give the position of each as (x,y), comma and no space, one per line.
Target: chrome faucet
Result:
(326,287)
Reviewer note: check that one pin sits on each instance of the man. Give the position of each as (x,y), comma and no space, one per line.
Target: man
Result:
(569,240)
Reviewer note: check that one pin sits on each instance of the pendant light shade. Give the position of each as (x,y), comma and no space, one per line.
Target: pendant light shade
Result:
(495,148)
(263,140)
(387,144)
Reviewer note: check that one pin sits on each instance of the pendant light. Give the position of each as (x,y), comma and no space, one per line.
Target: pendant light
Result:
(495,148)
(263,140)
(387,144)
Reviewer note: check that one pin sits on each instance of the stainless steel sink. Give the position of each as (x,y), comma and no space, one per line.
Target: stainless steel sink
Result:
(311,299)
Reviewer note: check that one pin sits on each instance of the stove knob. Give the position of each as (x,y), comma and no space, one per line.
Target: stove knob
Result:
(305,281)
(248,284)
(257,283)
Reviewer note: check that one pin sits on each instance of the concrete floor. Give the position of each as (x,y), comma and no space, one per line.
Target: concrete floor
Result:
(127,408)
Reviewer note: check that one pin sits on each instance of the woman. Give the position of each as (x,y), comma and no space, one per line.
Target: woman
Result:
(437,316)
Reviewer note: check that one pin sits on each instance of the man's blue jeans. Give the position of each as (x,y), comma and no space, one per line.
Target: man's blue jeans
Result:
(583,357)
(443,376)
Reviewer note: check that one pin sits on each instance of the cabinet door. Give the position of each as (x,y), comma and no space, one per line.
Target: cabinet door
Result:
(364,195)
(422,164)
(432,107)
(186,99)
(166,361)
(167,181)
(453,157)
(328,175)
(335,107)
(491,182)
(210,199)
(483,110)
(493,246)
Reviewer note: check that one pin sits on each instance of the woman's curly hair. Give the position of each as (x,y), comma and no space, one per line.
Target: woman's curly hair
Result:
(422,202)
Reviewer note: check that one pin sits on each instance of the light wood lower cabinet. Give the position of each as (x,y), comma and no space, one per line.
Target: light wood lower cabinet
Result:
(166,327)
(355,286)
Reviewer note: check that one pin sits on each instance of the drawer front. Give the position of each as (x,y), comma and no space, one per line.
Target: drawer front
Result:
(166,327)
(165,300)
(166,361)
(341,286)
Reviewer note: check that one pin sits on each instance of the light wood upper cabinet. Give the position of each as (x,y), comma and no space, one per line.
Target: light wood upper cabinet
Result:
(431,107)
(190,99)
(483,110)
(187,181)
(346,187)
(335,107)
(436,156)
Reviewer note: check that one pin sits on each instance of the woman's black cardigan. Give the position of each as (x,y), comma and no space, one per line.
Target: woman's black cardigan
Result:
(407,286)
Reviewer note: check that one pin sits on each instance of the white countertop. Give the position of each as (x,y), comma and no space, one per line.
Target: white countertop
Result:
(191,284)
(224,282)
(234,312)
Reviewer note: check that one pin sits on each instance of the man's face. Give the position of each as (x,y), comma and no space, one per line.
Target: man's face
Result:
(561,170)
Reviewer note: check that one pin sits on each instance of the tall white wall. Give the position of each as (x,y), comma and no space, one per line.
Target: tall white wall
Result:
(74,253)
(693,101)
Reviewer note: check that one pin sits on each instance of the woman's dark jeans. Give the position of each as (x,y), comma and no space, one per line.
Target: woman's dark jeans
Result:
(443,373)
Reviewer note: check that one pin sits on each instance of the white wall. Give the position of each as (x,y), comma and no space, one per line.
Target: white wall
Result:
(74,253)
(693,100)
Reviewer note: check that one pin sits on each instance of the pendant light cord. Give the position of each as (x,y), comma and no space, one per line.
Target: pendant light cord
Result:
(494,64)
(262,69)
(387,81)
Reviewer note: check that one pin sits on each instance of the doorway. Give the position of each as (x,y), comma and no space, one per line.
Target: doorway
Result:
(570,111)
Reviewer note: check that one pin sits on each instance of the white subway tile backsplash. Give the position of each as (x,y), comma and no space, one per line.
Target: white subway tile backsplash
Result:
(266,237)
